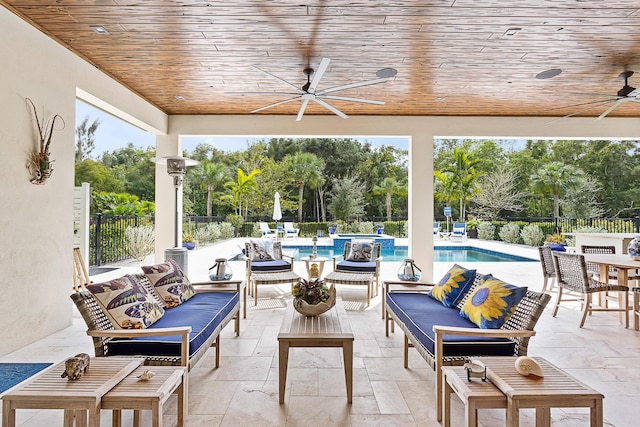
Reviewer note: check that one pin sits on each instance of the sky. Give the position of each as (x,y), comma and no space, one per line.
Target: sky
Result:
(114,133)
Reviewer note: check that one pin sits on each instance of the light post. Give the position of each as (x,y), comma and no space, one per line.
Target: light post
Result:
(176,168)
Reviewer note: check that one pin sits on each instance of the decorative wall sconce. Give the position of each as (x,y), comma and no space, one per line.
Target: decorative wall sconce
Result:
(39,163)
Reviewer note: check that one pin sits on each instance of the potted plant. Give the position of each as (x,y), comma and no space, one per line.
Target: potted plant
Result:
(472,228)
(379,227)
(556,242)
(312,297)
(189,242)
(333,226)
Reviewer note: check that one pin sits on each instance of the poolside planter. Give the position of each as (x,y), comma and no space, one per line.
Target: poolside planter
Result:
(472,233)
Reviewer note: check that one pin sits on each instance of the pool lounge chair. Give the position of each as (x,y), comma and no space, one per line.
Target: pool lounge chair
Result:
(266,231)
(459,232)
(290,231)
(436,230)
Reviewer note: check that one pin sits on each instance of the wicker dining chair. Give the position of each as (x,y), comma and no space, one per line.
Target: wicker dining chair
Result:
(548,268)
(572,275)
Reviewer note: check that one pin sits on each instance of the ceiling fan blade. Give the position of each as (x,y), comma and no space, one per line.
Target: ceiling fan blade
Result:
(581,111)
(331,108)
(277,103)
(297,89)
(351,85)
(599,102)
(324,64)
(610,109)
(305,101)
(346,98)
(263,93)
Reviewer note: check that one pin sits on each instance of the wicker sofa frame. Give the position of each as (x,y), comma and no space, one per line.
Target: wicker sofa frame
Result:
(102,331)
(519,328)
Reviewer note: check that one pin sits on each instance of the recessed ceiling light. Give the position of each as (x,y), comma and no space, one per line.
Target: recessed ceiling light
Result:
(439,99)
(99,29)
(180,97)
(512,31)
(548,73)
(386,73)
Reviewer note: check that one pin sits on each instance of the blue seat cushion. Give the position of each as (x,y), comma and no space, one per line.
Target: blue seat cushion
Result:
(204,312)
(357,266)
(274,265)
(420,313)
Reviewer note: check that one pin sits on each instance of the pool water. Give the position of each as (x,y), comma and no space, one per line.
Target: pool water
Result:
(441,254)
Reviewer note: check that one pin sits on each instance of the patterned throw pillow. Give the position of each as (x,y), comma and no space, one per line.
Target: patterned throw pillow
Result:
(261,250)
(361,250)
(169,282)
(492,303)
(453,285)
(128,305)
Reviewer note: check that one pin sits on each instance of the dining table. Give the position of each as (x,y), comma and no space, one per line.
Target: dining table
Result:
(623,263)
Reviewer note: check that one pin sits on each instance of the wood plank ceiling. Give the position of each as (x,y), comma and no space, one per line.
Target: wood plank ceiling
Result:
(453,57)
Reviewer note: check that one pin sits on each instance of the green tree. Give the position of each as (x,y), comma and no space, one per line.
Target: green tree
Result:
(98,175)
(387,188)
(211,174)
(240,190)
(347,198)
(85,142)
(497,193)
(304,167)
(556,178)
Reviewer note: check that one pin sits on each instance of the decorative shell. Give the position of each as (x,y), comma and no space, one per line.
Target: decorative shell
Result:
(528,366)
(146,375)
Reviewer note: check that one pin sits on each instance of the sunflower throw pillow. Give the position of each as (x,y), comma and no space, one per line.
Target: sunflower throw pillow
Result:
(453,285)
(492,303)
(169,282)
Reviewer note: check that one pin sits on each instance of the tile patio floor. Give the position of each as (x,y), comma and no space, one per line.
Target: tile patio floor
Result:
(244,390)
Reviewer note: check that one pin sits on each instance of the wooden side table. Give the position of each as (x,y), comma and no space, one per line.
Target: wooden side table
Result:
(308,261)
(474,394)
(136,394)
(330,329)
(78,397)
(556,390)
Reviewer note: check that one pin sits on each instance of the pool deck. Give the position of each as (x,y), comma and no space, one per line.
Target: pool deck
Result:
(244,390)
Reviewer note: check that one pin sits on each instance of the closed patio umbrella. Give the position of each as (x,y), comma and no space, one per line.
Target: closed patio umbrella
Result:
(277,212)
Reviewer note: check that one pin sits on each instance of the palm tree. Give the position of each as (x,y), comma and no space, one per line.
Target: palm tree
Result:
(241,188)
(464,176)
(388,187)
(211,174)
(556,178)
(305,168)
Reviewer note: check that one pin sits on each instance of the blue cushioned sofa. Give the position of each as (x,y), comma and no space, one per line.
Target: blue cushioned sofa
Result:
(180,337)
(442,337)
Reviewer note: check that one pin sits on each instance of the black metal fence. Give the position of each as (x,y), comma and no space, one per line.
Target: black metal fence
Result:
(108,243)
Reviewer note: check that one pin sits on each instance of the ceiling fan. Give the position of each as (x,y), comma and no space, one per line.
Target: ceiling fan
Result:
(309,91)
(625,94)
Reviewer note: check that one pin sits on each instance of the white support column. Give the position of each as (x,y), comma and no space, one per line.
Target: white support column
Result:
(421,203)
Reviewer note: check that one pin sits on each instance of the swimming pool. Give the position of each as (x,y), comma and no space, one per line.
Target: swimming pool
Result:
(441,254)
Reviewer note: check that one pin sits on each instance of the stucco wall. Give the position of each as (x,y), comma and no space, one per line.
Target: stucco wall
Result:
(36,222)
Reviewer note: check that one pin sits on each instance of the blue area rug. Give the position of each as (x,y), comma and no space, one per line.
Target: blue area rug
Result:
(14,373)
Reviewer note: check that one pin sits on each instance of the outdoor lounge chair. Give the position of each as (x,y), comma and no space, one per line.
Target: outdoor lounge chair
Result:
(266,264)
(266,231)
(459,232)
(436,230)
(290,231)
(360,265)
